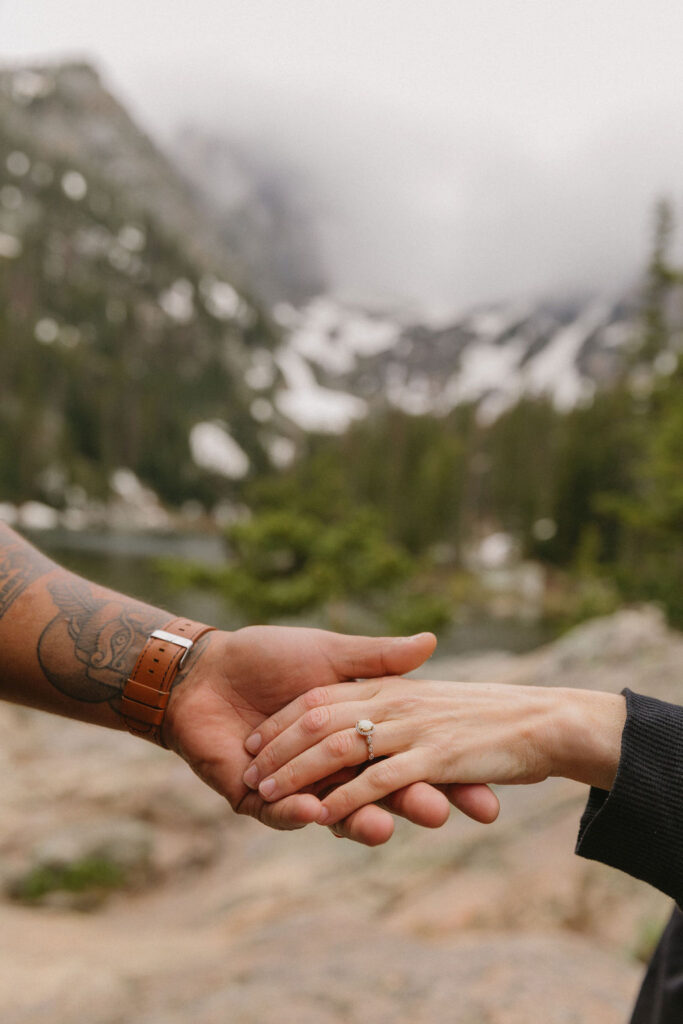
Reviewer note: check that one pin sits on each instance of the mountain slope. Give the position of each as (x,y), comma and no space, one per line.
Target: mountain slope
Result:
(126,342)
(264,214)
(120,330)
(340,361)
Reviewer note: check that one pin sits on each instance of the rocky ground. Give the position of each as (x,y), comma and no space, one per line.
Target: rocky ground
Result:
(178,912)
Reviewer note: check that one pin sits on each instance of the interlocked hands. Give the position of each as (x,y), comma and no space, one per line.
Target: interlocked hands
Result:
(238,680)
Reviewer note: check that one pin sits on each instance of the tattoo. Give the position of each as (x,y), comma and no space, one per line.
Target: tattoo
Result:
(20,566)
(104,633)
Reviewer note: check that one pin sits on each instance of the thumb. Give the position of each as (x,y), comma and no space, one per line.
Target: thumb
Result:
(366,656)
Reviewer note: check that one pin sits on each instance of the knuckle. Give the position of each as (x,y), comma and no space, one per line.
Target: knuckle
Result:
(267,761)
(290,775)
(315,719)
(314,698)
(339,745)
(343,803)
(406,704)
(384,775)
(272,727)
(274,818)
(261,814)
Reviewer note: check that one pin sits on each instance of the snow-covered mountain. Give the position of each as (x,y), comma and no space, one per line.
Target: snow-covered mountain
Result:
(336,362)
(132,341)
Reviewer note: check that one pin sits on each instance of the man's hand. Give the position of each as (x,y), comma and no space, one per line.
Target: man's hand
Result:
(237,680)
(69,645)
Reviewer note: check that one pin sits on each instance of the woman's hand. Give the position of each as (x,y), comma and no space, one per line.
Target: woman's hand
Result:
(439,732)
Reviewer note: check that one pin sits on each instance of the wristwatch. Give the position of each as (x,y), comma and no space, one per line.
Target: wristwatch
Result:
(148,689)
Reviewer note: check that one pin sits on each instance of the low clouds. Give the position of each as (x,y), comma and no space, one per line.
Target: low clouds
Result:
(442,214)
(451,153)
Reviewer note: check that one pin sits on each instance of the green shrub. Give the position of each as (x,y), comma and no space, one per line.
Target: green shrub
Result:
(90,875)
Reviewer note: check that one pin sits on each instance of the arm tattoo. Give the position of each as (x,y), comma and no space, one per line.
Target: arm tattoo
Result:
(20,566)
(89,649)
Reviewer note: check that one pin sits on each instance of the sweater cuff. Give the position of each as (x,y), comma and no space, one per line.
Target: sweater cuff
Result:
(637,826)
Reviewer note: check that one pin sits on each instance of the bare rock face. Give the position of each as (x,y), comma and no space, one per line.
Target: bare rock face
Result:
(632,648)
(631,633)
(468,924)
(490,978)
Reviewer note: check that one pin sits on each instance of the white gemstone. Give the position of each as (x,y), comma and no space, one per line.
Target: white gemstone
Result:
(365,725)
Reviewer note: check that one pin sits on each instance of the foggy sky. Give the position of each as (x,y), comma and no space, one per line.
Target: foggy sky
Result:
(457,152)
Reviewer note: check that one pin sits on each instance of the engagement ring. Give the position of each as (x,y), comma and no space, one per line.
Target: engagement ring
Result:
(365,728)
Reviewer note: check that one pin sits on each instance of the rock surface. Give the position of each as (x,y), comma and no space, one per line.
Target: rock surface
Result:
(469,924)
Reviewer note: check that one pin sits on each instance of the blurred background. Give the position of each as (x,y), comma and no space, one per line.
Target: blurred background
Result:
(367,316)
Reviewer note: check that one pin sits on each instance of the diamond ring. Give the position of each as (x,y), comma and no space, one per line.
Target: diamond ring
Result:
(365,728)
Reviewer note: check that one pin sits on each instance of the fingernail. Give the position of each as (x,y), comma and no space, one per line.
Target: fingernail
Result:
(250,777)
(253,744)
(267,788)
(323,816)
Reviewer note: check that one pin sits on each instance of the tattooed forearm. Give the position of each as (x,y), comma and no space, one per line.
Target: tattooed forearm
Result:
(20,566)
(89,648)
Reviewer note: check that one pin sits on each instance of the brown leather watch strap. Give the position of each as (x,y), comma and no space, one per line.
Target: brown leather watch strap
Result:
(147,691)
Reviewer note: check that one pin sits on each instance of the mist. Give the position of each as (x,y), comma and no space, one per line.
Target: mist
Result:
(449,154)
(415,211)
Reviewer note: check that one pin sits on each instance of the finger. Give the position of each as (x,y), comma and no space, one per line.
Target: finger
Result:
(366,656)
(320,697)
(420,803)
(475,800)
(375,783)
(371,826)
(338,750)
(286,815)
(307,731)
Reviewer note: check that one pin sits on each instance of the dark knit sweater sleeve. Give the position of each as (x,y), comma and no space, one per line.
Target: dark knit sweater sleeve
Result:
(638,825)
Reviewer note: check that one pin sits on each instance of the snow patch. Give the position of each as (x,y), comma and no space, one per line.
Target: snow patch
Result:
(282,451)
(10,247)
(31,85)
(214,449)
(74,186)
(137,507)
(261,410)
(553,371)
(311,406)
(486,367)
(221,300)
(177,301)
(132,238)
(34,515)
(334,337)
(415,394)
(18,163)
(261,374)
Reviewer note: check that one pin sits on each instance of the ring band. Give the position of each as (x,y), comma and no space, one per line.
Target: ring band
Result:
(366,728)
